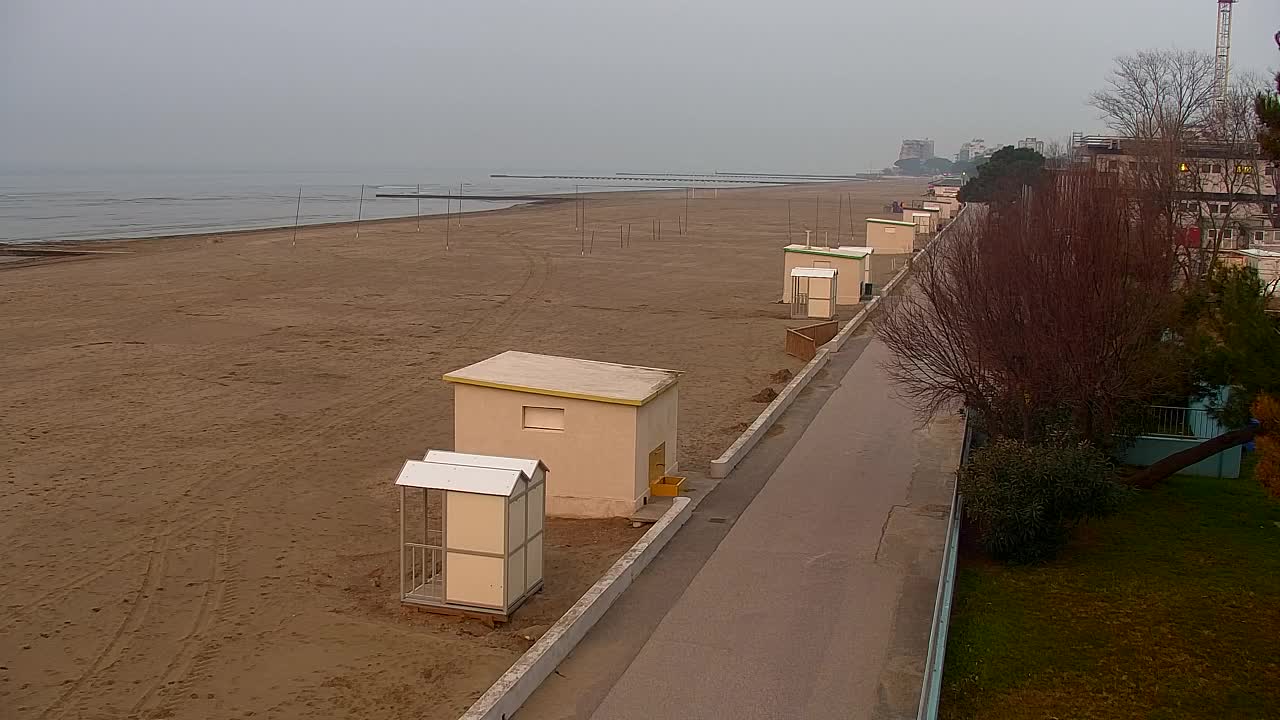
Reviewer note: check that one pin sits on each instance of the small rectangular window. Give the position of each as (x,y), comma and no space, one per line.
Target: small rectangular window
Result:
(543,418)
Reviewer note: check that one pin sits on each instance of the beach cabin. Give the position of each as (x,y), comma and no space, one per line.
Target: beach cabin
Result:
(1266,263)
(813,292)
(922,220)
(891,237)
(609,430)
(471,532)
(852,266)
(942,207)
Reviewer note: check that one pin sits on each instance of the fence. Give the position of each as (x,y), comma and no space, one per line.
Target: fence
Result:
(1179,422)
(1166,430)
(931,685)
(803,342)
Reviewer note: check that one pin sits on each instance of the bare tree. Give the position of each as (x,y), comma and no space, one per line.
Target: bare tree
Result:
(1157,93)
(1049,309)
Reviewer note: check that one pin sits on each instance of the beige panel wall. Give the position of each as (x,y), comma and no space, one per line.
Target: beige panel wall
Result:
(657,423)
(475,522)
(475,580)
(537,508)
(589,462)
(820,298)
(533,573)
(515,576)
(891,239)
(516,521)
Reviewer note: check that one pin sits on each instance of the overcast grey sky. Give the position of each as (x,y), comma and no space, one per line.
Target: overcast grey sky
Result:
(811,85)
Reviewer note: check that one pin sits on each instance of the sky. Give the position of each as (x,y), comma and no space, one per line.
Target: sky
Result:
(560,85)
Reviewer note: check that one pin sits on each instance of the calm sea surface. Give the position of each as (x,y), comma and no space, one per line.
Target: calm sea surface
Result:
(62,206)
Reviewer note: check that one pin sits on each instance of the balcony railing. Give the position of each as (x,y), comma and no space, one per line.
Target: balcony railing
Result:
(1180,422)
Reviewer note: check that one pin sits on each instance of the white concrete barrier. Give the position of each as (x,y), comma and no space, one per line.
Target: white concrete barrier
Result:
(515,686)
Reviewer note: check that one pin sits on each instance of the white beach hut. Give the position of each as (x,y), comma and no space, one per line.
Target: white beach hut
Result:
(474,545)
(813,292)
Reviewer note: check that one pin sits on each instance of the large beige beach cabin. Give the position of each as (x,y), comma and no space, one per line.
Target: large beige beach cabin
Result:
(891,237)
(852,266)
(471,529)
(608,430)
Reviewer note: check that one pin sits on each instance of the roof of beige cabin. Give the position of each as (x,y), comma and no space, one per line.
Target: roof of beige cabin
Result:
(813,272)
(1259,252)
(890,222)
(848,251)
(448,457)
(460,478)
(567,377)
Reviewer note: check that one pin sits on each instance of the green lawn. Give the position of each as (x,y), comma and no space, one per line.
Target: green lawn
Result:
(1169,609)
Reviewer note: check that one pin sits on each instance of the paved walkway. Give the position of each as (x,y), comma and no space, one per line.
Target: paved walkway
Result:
(817,603)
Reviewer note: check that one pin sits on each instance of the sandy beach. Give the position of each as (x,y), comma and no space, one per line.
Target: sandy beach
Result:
(200,437)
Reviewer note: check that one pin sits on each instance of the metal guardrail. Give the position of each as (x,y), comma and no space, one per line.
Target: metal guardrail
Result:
(1180,422)
(931,686)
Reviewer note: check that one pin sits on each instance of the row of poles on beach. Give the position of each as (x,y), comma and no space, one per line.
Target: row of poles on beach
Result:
(587,243)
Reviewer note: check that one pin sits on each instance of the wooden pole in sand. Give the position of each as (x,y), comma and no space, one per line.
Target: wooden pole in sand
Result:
(592,246)
(840,219)
(359,212)
(849,204)
(684,229)
(788,221)
(448,208)
(418,212)
(619,237)
(817,212)
(297,215)
(628,234)
(460,204)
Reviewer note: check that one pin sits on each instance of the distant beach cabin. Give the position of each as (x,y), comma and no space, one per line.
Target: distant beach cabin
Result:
(926,221)
(852,265)
(608,430)
(1266,263)
(944,208)
(891,237)
(471,539)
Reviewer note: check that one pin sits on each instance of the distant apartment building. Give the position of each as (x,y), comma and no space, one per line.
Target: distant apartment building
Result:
(1032,144)
(1225,194)
(916,150)
(972,150)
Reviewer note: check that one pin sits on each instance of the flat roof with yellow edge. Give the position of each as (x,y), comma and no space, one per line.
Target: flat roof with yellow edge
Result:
(567,377)
(891,222)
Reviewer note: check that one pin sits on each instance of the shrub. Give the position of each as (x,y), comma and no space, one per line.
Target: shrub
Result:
(1025,500)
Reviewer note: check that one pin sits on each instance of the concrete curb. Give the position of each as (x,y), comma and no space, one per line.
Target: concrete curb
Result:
(509,692)
(721,466)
